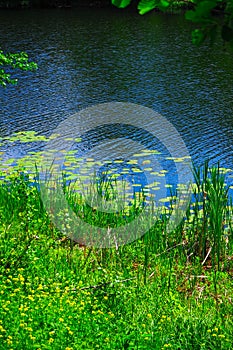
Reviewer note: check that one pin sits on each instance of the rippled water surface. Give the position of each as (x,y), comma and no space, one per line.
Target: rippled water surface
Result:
(86,57)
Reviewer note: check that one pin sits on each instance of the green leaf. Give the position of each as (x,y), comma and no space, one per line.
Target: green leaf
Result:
(202,12)
(121,3)
(198,37)
(204,7)
(163,5)
(191,16)
(15,61)
(145,6)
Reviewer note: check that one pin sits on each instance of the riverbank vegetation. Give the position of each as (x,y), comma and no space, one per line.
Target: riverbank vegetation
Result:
(165,290)
(13,61)
(210,17)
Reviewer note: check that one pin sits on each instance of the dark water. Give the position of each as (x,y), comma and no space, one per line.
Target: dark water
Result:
(86,57)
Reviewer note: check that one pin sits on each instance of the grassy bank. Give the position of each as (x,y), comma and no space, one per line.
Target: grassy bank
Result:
(164,290)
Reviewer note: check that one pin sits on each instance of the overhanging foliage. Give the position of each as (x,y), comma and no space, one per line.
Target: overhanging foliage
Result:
(210,16)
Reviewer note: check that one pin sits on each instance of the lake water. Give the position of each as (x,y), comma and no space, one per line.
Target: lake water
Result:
(92,56)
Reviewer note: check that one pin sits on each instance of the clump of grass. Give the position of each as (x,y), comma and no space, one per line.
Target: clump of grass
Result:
(150,294)
(209,216)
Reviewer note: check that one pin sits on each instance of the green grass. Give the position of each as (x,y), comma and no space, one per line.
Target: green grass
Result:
(164,290)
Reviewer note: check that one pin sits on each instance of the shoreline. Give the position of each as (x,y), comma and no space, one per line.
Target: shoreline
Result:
(25,5)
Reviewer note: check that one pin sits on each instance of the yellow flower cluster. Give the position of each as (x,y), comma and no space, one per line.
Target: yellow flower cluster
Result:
(214,332)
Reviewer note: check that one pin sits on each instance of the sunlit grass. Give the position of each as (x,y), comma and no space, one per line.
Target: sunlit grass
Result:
(164,290)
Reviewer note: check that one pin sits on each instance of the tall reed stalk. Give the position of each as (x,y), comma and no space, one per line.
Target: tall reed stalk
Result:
(211,212)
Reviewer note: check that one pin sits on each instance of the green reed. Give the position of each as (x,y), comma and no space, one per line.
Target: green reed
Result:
(164,290)
(210,217)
